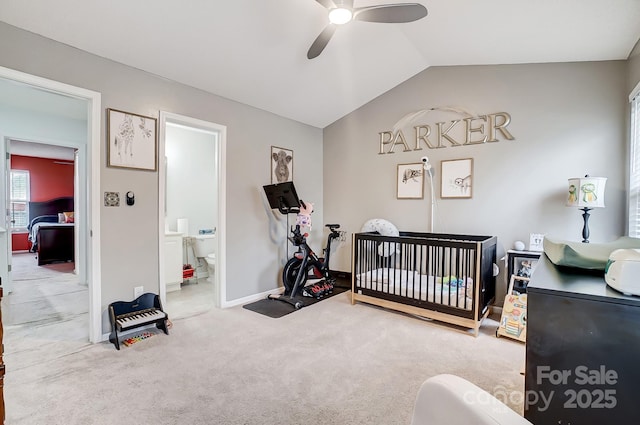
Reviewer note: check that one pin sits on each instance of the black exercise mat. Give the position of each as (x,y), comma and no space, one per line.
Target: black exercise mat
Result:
(276,308)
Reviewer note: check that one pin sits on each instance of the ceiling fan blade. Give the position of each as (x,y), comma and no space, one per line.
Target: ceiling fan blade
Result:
(329,4)
(321,42)
(391,13)
(348,4)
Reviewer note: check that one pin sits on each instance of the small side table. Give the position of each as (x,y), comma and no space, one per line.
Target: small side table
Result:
(513,322)
(521,263)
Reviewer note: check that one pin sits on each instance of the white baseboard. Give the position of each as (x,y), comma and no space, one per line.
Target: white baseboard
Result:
(252,298)
(228,304)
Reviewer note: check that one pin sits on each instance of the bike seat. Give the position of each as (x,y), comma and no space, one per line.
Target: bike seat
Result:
(332,227)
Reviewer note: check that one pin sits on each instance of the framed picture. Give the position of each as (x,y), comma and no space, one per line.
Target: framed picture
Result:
(132,140)
(410,181)
(520,267)
(536,242)
(281,163)
(456,178)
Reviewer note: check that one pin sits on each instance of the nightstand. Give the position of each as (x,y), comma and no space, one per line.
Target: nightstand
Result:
(521,263)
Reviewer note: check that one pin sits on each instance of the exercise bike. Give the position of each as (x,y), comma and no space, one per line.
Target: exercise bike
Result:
(306,264)
(283,197)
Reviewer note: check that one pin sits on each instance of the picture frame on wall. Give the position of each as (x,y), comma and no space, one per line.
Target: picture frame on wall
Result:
(132,141)
(456,178)
(281,164)
(410,181)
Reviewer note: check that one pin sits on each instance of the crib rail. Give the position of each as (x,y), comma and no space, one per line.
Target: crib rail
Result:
(440,272)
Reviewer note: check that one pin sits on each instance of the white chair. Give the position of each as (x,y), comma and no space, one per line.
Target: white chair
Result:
(451,400)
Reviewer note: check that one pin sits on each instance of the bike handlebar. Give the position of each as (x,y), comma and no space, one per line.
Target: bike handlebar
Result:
(298,238)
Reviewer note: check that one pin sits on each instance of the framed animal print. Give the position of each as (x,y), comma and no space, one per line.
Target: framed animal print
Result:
(281,165)
(410,181)
(456,178)
(132,141)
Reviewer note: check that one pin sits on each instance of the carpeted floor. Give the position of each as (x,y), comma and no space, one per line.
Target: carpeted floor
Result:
(46,315)
(333,363)
(25,267)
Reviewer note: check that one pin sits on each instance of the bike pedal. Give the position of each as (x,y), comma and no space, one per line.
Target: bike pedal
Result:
(328,287)
(315,291)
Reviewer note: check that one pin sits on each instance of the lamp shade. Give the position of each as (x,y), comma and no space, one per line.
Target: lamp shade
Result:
(586,192)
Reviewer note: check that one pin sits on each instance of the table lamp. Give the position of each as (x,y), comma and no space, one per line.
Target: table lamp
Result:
(586,193)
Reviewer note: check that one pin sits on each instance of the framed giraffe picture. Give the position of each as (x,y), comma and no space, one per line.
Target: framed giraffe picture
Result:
(410,181)
(132,141)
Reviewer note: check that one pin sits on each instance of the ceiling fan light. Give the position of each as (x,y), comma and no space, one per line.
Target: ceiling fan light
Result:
(340,15)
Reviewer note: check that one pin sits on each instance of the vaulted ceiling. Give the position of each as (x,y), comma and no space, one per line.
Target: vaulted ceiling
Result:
(254,51)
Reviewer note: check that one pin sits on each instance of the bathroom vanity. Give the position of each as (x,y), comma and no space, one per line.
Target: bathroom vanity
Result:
(173,260)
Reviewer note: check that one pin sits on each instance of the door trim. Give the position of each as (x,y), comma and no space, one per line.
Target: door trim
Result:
(92,173)
(221,232)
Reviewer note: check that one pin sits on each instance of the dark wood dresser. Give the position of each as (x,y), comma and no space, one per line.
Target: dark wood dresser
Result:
(583,349)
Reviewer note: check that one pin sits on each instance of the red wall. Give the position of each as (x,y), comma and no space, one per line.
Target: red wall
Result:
(49,179)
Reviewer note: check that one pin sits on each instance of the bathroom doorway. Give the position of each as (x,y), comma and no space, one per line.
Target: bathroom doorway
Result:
(192,205)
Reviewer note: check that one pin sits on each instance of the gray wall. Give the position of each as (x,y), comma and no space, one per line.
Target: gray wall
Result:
(130,235)
(567,119)
(48,129)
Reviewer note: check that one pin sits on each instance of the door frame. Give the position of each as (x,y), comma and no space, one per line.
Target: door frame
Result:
(221,232)
(91,230)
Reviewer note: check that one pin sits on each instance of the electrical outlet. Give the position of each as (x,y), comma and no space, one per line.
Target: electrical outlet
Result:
(137,291)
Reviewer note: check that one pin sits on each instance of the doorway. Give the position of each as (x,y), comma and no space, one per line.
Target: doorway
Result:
(49,293)
(87,197)
(191,214)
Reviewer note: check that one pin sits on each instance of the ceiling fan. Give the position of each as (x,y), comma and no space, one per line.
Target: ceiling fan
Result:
(342,12)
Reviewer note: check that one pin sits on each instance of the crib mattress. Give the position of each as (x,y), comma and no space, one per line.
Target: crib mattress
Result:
(412,284)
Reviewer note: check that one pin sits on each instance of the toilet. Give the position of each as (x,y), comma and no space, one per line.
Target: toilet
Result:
(205,248)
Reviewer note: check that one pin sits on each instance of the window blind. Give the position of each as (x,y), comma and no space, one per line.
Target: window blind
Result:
(634,168)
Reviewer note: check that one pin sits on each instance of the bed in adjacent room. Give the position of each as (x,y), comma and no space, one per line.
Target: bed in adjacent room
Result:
(51,230)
